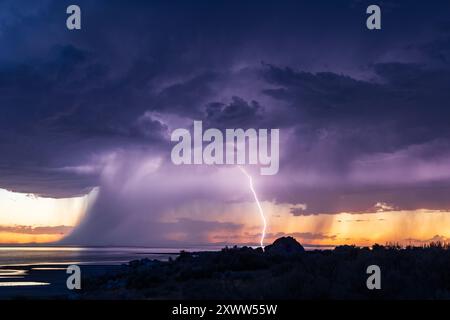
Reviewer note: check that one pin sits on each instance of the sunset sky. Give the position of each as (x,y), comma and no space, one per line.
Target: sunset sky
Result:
(86,118)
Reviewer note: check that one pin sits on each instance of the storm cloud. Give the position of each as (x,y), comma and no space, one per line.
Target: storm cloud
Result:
(363,116)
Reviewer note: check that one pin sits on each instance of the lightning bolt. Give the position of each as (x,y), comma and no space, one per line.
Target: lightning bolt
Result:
(261,212)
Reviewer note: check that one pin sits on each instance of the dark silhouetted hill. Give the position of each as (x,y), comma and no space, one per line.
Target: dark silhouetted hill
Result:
(285,246)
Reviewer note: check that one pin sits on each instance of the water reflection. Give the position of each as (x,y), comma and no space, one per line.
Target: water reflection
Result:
(23,284)
(12,272)
(45,266)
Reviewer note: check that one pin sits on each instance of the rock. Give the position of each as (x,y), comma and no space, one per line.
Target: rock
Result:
(285,246)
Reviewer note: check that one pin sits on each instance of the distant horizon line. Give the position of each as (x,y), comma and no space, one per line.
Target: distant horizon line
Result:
(223,245)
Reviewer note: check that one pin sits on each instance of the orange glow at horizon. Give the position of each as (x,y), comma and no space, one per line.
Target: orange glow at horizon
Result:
(19,238)
(365,229)
(30,219)
(362,229)
(26,218)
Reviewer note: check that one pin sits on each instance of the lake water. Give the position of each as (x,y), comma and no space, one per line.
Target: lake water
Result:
(25,267)
(83,255)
